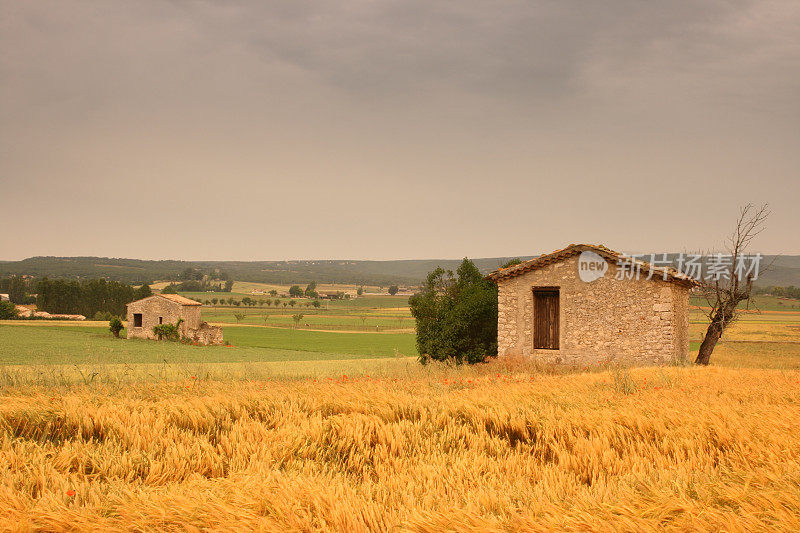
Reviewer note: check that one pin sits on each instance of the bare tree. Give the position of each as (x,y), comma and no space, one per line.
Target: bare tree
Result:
(725,293)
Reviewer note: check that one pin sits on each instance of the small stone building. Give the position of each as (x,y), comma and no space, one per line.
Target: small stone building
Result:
(587,304)
(168,309)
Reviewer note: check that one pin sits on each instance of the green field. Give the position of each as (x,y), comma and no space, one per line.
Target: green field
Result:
(380,313)
(312,320)
(362,328)
(41,345)
(342,336)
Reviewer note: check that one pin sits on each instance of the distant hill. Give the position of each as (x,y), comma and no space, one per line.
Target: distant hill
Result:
(784,272)
(406,272)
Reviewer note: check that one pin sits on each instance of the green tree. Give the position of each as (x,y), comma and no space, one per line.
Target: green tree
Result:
(143,292)
(16,287)
(360,291)
(169,289)
(115,326)
(7,310)
(102,315)
(228,286)
(239,317)
(191,274)
(295,291)
(456,316)
(297,318)
(292,303)
(273,293)
(85,297)
(393,289)
(311,290)
(316,303)
(214,301)
(511,262)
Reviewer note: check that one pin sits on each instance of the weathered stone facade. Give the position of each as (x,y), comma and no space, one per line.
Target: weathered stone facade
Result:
(637,320)
(148,312)
(206,334)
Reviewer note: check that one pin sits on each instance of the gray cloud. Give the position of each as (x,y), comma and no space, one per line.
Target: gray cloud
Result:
(372,129)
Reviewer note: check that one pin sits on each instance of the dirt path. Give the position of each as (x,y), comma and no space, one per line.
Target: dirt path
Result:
(391,331)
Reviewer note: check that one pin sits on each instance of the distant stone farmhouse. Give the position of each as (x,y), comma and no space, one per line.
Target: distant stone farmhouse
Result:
(168,309)
(587,303)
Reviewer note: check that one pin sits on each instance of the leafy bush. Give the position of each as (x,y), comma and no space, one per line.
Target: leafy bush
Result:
(170,332)
(511,262)
(7,310)
(393,289)
(169,289)
(456,316)
(115,326)
(102,316)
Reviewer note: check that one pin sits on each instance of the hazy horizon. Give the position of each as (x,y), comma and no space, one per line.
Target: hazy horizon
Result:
(394,130)
(307,259)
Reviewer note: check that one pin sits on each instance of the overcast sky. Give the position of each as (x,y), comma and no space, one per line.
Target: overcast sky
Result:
(394,130)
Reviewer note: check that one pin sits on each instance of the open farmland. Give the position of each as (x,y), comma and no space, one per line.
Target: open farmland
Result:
(485,448)
(318,430)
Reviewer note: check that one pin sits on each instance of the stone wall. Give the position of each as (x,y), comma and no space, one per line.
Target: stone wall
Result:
(680,321)
(192,327)
(640,320)
(151,309)
(206,334)
(191,318)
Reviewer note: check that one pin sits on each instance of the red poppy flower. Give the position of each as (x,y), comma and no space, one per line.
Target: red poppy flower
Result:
(70,493)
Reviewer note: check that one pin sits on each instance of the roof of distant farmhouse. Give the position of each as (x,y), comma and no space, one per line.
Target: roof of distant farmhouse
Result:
(575,249)
(178,299)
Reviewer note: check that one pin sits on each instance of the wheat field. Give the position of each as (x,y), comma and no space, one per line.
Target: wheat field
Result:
(493,448)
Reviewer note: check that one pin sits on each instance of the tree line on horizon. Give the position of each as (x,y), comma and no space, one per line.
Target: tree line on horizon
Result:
(87,298)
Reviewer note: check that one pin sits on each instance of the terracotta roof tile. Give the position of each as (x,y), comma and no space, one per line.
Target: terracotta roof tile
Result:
(575,249)
(177,298)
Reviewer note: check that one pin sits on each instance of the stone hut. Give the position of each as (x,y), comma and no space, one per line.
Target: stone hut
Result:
(586,303)
(168,309)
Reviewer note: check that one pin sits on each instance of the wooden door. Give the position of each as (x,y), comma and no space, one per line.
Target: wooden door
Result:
(545,319)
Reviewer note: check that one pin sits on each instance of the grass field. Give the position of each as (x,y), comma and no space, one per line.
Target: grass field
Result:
(303,430)
(42,345)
